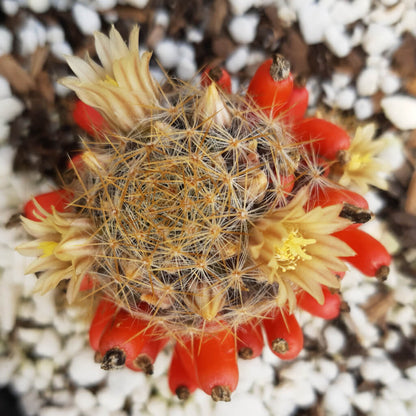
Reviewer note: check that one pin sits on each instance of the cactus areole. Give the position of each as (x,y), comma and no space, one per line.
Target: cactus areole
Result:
(197,218)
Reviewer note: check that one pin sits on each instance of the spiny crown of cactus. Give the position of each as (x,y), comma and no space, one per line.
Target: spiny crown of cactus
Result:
(194,210)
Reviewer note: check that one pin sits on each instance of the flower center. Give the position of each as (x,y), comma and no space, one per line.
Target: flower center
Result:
(291,251)
(357,161)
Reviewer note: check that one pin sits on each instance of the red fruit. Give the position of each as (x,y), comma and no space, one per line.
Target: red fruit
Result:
(104,314)
(88,118)
(295,109)
(272,85)
(181,376)
(328,310)
(372,258)
(321,137)
(87,283)
(355,205)
(58,199)
(76,162)
(218,75)
(250,341)
(128,340)
(216,363)
(284,335)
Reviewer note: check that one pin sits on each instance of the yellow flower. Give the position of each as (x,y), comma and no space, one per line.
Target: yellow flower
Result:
(295,248)
(361,167)
(64,250)
(122,89)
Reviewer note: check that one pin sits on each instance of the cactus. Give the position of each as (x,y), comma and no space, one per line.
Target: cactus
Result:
(195,215)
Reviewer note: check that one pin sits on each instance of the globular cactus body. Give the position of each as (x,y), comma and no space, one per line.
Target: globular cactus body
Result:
(195,215)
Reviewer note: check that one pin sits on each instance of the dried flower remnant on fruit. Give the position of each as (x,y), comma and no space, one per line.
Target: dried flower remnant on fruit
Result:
(197,216)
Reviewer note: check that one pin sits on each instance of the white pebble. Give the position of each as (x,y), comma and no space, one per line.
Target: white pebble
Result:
(340,80)
(313,21)
(408,22)
(157,406)
(5,90)
(106,4)
(237,59)
(87,19)
(85,399)
(346,382)
(403,389)
(58,411)
(55,34)
(110,400)
(10,293)
(10,7)
(125,381)
(400,110)
(391,82)
(241,404)
(336,402)
(186,69)
(388,16)
(335,339)
(10,107)
(22,381)
(367,82)
(194,35)
(29,335)
(363,108)
(327,367)
(385,407)
(305,394)
(44,373)
(392,341)
(49,344)
(243,29)
(167,53)
(378,39)
(31,36)
(8,366)
(61,49)
(137,3)
(239,7)
(379,369)
(337,40)
(347,12)
(363,401)
(161,18)
(83,371)
(38,6)
(345,98)
(6,41)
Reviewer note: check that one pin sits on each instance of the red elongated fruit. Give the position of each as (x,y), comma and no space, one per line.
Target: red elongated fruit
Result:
(322,137)
(75,162)
(152,346)
(218,75)
(250,341)
(355,205)
(295,109)
(58,199)
(181,375)
(88,118)
(122,342)
(284,335)
(216,363)
(328,310)
(87,283)
(272,85)
(372,258)
(104,314)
